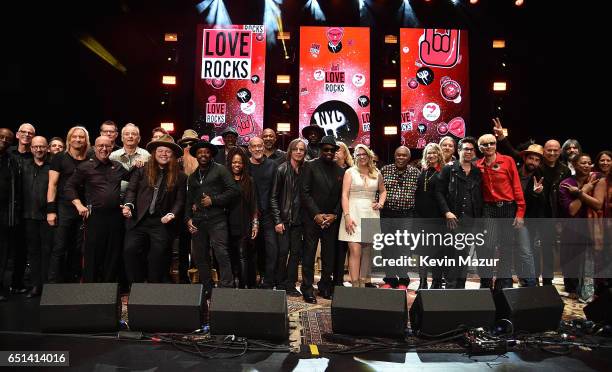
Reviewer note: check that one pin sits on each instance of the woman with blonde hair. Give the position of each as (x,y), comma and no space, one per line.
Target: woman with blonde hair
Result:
(448,147)
(343,156)
(427,210)
(361,184)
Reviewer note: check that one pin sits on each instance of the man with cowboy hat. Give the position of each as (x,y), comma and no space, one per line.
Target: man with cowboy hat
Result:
(189,163)
(313,134)
(320,194)
(154,204)
(211,189)
(230,137)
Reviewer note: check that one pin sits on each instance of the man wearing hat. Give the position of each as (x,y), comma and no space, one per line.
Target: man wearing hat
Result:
(320,195)
(230,137)
(532,184)
(313,134)
(153,207)
(211,189)
(189,163)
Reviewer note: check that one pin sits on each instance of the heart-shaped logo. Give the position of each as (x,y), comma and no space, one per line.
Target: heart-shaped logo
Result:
(456,127)
(358,80)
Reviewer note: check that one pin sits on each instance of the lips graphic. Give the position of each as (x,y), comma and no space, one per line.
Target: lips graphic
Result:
(456,127)
(212,99)
(217,83)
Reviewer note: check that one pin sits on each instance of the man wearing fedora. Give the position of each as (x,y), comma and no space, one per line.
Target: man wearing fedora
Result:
(188,162)
(313,134)
(154,203)
(230,137)
(210,189)
(320,196)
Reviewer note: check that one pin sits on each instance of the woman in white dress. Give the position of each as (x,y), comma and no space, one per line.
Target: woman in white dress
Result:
(361,184)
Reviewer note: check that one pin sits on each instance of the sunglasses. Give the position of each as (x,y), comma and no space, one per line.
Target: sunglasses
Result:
(327,149)
(488,144)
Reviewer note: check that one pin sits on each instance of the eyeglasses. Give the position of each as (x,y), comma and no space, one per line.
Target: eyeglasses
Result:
(467,149)
(104,147)
(38,147)
(26,133)
(111,131)
(488,144)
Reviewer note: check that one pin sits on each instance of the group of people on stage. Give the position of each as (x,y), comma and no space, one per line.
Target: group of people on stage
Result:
(104,213)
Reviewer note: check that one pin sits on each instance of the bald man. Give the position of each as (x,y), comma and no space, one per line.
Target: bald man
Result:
(24,136)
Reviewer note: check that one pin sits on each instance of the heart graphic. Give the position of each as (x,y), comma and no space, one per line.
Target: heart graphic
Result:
(456,127)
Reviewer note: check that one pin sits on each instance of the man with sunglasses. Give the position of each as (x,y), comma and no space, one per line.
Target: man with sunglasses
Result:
(320,197)
(503,200)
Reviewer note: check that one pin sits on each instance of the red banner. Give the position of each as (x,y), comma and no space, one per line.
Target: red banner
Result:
(230,79)
(435,85)
(335,81)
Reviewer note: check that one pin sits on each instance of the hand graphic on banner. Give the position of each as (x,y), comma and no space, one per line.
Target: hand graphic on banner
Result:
(439,49)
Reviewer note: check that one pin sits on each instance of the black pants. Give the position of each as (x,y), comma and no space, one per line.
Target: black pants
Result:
(103,242)
(38,238)
(184,248)
(271,249)
(19,254)
(147,249)
(243,260)
(212,234)
(4,248)
(329,237)
(501,234)
(290,250)
(457,274)
(66,255)
(389,226)
(543,257)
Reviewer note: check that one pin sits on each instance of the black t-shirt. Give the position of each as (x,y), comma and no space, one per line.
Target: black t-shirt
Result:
(5,180)
(263,175)
(65,164)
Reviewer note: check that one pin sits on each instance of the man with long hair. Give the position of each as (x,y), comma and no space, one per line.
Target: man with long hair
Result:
(65,260)
(154,201)
(285,205)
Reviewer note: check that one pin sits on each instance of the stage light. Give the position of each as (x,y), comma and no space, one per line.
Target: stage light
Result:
(519,2)
(499,44)
(407,15)
(216,12)
(170,37)
(169,80)
(473,2)
(283,35)
(390,39)
(92,44)
(499,86)
(168,126)
(273,21)
(391,130)
(315,9)
(283,127)
(505,132)
(283,79)
(389,83)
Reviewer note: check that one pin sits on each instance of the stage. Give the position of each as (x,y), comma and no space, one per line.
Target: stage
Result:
(309,324)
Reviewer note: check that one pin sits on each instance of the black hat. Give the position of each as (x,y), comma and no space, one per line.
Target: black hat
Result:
(203,144)
(313,127)
(329,140)
(166,141)
(229,130)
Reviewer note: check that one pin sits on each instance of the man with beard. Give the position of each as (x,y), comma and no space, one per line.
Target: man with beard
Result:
(230,137)
(10,188)
(210,190)
(37,231)
(100,178)
(270,149)
(570,149)
(65,261)
(320,197)
(154,202)
(313,134)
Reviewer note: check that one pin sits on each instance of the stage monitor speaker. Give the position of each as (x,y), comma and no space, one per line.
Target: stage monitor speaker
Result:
(369,312)
(84,308)
(251,313)
(530,309)
(600,310)
(437,311)
(156,307)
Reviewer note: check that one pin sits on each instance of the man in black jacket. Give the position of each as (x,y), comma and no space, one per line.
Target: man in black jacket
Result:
(285,205)
(321,191)
(209,190)
(10,176)
(459,197)
(38,233)
(154,202)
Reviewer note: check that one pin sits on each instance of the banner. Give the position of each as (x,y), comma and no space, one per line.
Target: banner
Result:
(230,80)
(335,82)
(435,85)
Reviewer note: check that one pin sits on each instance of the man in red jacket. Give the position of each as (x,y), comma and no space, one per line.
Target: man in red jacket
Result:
(504,208)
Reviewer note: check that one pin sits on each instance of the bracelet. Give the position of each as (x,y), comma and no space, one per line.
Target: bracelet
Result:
(51,207)
(345,214)
(170,215)
(129,205)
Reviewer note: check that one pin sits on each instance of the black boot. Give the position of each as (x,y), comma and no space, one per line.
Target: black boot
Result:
(436,284)
(423,283)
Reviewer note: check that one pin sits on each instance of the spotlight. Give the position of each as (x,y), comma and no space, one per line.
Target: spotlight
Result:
(499,44)
(216,12)
(390,39)
(389,83)
(499,86)
(283,35)
(315,9)
(169,80)
(170,37)
(473,2)
(283,127)
(391,130)
(406,14)
(273,20)
(168,126)
(283,79)
(519,2)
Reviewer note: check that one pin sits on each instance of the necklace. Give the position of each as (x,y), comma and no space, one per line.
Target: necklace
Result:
(428,178)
